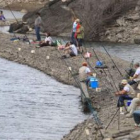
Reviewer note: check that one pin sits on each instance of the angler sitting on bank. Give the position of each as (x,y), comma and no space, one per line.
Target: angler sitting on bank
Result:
(2,17)
(47,42)
(134,104)
(136,78)
(70,50)
(125,94)
(84,73)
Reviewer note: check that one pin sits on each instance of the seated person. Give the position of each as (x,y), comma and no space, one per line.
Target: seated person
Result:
(124,94)
(2,17)
(71,50)
(134,104)
(47,42)
(136,77)
(136,115)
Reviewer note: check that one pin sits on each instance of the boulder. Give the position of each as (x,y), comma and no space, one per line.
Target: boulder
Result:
(15,26)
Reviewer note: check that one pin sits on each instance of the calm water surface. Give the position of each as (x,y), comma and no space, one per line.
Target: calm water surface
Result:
(34,106)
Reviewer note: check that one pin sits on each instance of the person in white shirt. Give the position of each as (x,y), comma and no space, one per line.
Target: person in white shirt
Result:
(136,78)
(124,94)
(71,50)
(47,42)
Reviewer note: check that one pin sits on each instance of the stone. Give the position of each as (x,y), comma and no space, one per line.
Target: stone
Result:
(121,22)
(24,11)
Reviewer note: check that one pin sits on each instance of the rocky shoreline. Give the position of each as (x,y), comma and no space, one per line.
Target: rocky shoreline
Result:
(104,101)
(26,5)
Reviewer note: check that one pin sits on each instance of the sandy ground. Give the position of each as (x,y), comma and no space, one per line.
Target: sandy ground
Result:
(105,101)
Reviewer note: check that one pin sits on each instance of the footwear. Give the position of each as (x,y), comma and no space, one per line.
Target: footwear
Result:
(37,46)
(64,56)
(129,115)
(137,125)
(122,113)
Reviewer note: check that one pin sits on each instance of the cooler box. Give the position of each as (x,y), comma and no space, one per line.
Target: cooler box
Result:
(94,83)
(129,102)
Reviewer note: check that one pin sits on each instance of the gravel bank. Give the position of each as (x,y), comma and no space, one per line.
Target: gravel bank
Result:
(105,101)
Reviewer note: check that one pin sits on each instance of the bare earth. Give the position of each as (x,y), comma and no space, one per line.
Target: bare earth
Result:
(105,101)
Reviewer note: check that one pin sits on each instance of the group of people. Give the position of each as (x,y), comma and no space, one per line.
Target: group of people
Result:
(71,48)
(127,93)
(74,47)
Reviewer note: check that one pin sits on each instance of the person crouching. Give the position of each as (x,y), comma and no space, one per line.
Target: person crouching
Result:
(124,94)
(70,50)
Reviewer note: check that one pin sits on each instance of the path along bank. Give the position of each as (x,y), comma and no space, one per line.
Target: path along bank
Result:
(38,58)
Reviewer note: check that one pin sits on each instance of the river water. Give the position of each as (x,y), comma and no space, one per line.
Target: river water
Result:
(34,106)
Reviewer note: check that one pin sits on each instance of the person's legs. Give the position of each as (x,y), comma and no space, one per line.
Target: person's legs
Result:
(136,115)
(132,82)
(73,38)
(80,44)
(37,30)
(44,44)
(72,54)
(121,100)
(135,102)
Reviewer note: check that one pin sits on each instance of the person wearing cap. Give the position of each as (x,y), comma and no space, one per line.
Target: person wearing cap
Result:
(124,94)
(136,78)
(75,23)
(84,73)
(134,104)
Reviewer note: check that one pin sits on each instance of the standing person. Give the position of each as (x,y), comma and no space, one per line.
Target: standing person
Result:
(38,23)
(75,23)
(80,36)
(136,77)
(2,17)
(124,94)
(84,73)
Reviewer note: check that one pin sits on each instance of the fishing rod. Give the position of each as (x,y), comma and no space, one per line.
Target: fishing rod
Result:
(88,62)
(106,76)
(17,22)
(112,61)
(97,120)
(104,70)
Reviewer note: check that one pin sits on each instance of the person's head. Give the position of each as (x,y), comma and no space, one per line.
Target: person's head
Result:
(67,44)
(124,82)
(38,14)
(136,65)
(85,64)
(1,12)
(77,20)
(71,43)
(48,34)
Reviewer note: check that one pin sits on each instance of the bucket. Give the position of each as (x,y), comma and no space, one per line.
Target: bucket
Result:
(129,102)
(99,63)
(94,83)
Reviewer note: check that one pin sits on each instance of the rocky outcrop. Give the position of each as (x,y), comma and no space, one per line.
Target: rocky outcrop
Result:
(95,15)
(125,29)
